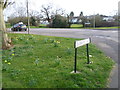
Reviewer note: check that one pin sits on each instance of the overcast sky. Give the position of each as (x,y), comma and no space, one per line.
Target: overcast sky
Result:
(89,7)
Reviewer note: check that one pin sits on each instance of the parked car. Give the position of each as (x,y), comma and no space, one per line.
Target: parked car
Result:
(19,27)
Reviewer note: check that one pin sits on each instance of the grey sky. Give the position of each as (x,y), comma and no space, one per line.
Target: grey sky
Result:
(89,7)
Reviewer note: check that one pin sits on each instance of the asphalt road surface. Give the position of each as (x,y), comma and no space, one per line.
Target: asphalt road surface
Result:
(106,40)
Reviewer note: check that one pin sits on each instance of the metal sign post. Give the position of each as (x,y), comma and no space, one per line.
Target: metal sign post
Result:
(88,61)
(75,60)
(78,44)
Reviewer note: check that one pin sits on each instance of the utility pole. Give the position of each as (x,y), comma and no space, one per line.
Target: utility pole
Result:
(119,8)
(94,21)
(28,18)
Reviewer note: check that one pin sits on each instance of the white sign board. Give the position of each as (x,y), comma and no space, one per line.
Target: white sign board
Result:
(82,42)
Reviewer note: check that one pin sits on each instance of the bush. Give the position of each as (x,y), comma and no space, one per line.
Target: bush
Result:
(15,20)
(106,24)
(33,21)
(59,22)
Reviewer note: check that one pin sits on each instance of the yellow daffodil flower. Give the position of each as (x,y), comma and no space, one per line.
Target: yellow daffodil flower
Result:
(5,61)
(58,42)
(13,54)
(9,63)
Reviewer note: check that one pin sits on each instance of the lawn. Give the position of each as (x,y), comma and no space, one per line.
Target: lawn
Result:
(81,26)
(40,26)
(105,28)
(38,61)
(8,25)
(76,26)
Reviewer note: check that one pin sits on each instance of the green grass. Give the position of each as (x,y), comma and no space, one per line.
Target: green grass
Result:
(101,28)
(8,25)
(46,62)
(80,26)
(40,26)
(34,27)
(105,28)
(76,26)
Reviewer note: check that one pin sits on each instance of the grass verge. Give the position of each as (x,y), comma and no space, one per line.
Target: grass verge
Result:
(46,62)
(80,26)
(104,28)
(73,26)
(76,26)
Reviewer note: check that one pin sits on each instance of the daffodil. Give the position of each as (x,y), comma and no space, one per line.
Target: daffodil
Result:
(5,61)
(9,63)
(13,54)
(58,42)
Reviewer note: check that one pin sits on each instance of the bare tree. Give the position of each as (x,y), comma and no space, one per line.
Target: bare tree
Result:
(49,12)
(6,42)
(59,11)
(20,12)
(36,15)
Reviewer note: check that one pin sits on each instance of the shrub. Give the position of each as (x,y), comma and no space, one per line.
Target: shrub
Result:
(33,20)
(15,20)
(59,22)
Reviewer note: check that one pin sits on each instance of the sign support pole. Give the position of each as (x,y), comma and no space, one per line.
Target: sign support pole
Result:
(78,44)
(88,61)
(75,60)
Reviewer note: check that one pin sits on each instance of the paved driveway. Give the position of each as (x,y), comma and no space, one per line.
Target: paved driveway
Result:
(106,40)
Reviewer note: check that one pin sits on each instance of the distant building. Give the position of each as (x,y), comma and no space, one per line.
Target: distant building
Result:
(108,19)
(76,20)
(104,18)
(44,22)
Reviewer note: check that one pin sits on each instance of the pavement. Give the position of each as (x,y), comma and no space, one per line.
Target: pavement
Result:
(106,40)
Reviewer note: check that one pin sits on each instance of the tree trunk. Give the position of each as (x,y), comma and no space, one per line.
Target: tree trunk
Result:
(6,42)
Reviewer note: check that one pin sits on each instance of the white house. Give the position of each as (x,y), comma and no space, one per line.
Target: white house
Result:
(109,19)
(76,20)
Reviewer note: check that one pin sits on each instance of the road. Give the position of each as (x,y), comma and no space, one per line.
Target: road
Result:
(106,40)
